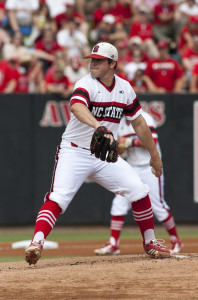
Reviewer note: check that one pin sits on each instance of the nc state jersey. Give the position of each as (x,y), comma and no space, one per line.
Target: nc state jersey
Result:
(107,105)
(137,156)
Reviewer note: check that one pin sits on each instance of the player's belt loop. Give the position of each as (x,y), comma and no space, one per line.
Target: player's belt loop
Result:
(74,145)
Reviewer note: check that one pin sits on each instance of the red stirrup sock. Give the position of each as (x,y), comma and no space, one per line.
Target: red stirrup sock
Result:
(117,223)
(143,215)
(46,220)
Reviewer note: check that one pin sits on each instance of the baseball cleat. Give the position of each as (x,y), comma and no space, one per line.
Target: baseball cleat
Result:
(177,246)
(33,252)
(155,249)
(108,249)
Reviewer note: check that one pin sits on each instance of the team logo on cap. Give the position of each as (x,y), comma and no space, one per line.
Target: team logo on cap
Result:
(95,49)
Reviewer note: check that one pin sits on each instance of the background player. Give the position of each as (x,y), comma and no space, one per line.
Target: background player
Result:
(99,99)
(138,157)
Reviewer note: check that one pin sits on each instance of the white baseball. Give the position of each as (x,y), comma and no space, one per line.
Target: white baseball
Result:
(153,171)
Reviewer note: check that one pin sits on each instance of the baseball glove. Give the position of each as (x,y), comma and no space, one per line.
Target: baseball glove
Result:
(100,145)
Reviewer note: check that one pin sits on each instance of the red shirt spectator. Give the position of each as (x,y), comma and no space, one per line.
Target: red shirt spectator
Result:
(134,44)
(142,27)
(139,86)
(194,81)
(70,14)
(191,55)
(98,14)
(56,81)
(163,13)
(164,71)
(2,11)
(50,78)
(48,43)
(144,31)
(187,33)
(123,10)
(22,79)
(6,75)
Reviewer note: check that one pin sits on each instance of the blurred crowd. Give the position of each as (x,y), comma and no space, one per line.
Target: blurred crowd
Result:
(43,42)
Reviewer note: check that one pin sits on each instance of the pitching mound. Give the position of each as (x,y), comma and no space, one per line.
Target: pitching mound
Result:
(110,277)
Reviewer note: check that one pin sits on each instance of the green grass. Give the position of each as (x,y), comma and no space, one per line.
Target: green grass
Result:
(86,234)
(11,259)
(90,236)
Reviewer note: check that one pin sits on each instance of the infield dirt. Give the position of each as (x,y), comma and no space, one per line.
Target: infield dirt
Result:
(85,276)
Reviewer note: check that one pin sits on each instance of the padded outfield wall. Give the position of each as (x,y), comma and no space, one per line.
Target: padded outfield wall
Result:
(31,127)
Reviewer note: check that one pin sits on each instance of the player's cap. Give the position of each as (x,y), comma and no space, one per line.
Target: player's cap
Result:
(110,19)
(162,44)
(104,51)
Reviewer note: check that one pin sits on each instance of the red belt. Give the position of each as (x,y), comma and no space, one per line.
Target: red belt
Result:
(74,145)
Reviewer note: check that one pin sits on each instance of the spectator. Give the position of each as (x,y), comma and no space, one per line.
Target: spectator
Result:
(150,4)
(23,54)
(123,52)
(21,75)
(20,14)
(75,70)
(165,27)
(110,30)
(48,44)
(56,7)
(4,36)
(57,82)
(124,11)
(136,64)
(36,77)
(98,14)
(194,80)
(41,21)
(185,39)
(143,28)
(186,10)
(165,71)
(190,57)
(80,4)
(74,41)
(141,83)
(71,13)
(7,78)
(28,75)
(105,7)
(134,44)
(15,48)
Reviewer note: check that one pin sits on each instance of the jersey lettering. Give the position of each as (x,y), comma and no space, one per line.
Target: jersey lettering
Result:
(111,112)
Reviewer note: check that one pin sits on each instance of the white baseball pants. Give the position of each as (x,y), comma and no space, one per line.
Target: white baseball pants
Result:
(120,205)
(75,164)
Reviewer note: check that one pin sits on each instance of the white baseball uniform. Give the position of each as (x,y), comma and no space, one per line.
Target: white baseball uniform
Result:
(74,161)
(138,158)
